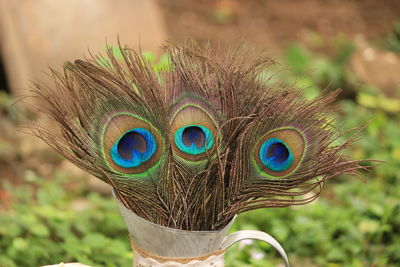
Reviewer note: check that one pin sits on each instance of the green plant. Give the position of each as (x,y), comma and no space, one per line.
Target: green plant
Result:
(315,72)
(48,224)
(392,42)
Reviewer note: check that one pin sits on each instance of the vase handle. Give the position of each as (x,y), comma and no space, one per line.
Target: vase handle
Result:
(235,237)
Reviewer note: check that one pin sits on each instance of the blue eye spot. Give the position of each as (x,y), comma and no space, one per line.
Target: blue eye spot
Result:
(193,139)
(133,148)
(195,135)
(275,155)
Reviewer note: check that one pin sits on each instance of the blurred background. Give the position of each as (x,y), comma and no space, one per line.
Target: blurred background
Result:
(50,211)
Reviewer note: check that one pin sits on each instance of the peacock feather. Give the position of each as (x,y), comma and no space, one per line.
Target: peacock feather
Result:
(191,147)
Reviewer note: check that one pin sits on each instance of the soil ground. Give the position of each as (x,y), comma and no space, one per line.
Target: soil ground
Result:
(274,24)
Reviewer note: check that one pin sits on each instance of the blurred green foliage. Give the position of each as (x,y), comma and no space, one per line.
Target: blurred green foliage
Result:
(48,224)
(356,221)
(160,64)
(392,42)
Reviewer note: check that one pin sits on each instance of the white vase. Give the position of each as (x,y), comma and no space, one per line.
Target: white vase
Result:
(155,245)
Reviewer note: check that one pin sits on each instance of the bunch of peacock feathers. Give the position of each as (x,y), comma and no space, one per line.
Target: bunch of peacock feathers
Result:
(192,147)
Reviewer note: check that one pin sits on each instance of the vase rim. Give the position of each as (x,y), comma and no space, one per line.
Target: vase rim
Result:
(202,232)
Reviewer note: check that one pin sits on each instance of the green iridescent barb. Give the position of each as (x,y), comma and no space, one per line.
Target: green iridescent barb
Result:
(193,146)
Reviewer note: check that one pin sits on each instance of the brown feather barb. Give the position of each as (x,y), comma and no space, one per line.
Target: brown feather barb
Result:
(193,146)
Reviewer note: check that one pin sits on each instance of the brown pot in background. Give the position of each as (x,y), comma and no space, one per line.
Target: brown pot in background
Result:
(36,34)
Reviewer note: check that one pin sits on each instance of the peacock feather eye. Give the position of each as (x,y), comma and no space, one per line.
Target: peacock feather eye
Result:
(194,139)
(130,144)
(279,152)
(193,133)
(133,148)
(276,155)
